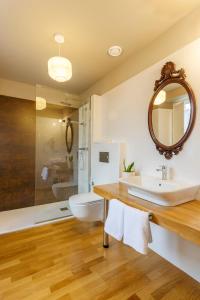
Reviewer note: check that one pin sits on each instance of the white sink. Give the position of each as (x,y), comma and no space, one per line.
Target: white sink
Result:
(161,192)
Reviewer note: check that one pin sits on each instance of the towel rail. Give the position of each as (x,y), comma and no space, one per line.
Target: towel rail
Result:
(105,235)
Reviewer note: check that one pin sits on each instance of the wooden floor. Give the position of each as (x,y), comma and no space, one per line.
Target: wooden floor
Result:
(65,260)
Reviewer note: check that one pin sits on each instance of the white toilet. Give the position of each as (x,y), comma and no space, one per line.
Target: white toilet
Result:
(87,207)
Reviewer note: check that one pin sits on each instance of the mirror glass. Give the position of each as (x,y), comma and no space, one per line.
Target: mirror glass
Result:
(171,114)
(69,136)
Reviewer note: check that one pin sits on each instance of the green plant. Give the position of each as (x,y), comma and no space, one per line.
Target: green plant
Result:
(129,168)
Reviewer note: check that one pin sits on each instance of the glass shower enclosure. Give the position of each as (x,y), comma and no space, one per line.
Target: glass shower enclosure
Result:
(45,155)
(84,149)
(57,136)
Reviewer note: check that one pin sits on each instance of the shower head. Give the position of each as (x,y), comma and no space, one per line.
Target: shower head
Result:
(66,103)
(61,120)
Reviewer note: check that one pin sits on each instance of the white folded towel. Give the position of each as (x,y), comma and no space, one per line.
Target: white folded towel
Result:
(45,173)
(115,221)
(137,231)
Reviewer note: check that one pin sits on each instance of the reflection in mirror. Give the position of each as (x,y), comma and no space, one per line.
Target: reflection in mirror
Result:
(171,114)
(69,135)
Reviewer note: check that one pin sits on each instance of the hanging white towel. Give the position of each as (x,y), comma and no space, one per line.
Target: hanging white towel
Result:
(115,221)
(45,173)
(137,231)
(81,160)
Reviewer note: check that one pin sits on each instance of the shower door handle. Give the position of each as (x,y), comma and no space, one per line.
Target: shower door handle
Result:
(81,160)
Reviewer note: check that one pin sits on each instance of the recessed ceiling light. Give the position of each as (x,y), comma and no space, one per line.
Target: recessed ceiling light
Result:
(59,38)
(115,51)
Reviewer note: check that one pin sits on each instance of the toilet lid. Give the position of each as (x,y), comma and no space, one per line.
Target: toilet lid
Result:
(84,198)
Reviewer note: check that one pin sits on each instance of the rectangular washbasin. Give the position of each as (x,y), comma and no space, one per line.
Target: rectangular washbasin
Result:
(161,192)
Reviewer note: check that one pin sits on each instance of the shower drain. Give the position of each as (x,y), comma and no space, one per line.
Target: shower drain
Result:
(63,208)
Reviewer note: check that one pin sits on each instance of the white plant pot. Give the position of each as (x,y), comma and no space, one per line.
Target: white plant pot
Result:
(128,174)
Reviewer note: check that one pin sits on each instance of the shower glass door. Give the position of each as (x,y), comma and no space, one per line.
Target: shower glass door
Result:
(84,149)
(56,154)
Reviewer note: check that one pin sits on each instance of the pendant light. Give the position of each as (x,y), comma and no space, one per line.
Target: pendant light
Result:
(59,68)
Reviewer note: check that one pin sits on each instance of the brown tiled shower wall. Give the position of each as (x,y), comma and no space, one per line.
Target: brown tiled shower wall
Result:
(17,153)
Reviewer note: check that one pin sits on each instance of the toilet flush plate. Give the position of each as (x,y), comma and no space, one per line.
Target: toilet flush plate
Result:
(104,157)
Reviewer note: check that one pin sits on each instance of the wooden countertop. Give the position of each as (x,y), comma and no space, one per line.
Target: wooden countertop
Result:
(183,219)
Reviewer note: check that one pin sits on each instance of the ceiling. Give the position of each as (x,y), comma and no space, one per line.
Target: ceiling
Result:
(89,27)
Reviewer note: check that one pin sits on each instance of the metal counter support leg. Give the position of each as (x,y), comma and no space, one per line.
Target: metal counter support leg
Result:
(105,235)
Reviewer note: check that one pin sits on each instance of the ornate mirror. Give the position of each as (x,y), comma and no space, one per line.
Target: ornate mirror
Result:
(69,135)
(172,111)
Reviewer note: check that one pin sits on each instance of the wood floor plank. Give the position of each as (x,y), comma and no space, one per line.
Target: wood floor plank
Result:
(66,260)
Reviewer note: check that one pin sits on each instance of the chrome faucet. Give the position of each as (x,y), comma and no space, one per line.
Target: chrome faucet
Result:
(163,169)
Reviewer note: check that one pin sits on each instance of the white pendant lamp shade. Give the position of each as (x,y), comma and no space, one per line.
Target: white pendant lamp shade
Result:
(40,103)
(160,98)
(59,68)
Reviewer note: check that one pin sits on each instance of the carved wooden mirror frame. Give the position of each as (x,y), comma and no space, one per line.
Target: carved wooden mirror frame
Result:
(69,126)
(169,74)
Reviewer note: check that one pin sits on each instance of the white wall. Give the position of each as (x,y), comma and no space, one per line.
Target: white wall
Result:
(96,119)
(104,173)
(126,120)
(27,91)
(17,89)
